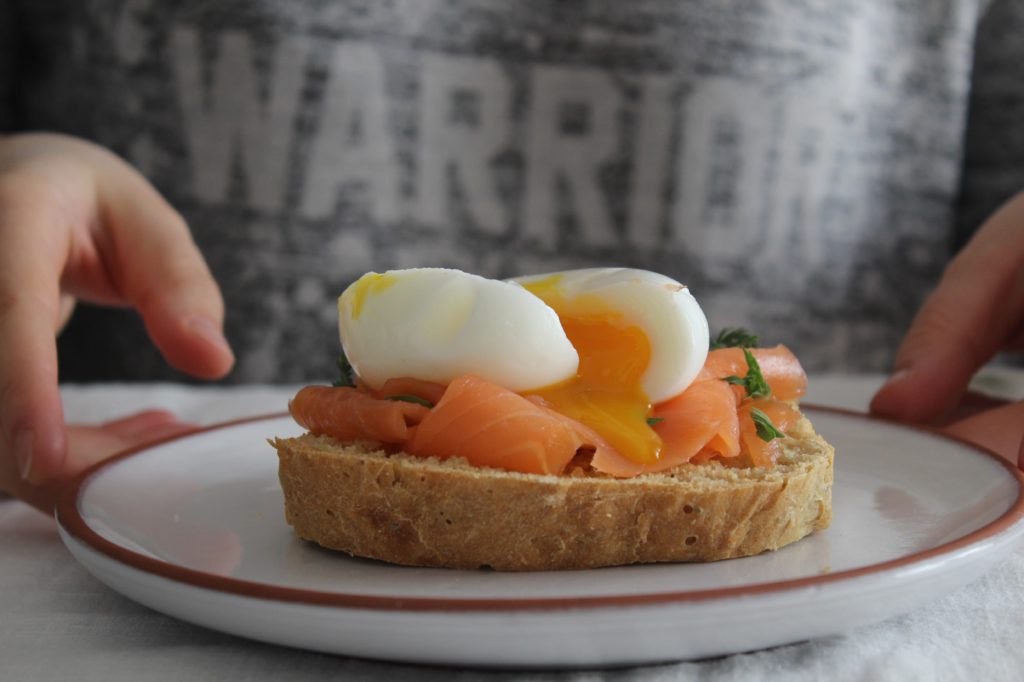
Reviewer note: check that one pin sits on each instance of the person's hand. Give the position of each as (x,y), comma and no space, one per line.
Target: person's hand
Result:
(976,311)
(90,444)
(76,222)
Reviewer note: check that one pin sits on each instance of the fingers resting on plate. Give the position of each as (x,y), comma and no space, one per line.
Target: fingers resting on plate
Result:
(976,311)
(77,222)
(89,444)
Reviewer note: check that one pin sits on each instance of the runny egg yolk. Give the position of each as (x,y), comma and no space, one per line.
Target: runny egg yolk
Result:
(606,394)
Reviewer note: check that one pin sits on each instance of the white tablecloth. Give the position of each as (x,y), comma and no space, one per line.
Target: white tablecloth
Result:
(58,623)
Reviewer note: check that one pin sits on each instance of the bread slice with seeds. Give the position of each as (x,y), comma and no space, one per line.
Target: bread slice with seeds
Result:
(360,499)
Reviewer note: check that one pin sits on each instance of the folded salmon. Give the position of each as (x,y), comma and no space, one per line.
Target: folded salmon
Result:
(494,427)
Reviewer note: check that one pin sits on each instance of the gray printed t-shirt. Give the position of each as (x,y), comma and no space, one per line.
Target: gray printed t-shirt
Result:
(798,164)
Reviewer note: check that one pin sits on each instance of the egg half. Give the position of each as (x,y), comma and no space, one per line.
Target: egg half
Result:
(642,338)
(600,345)
(436,324)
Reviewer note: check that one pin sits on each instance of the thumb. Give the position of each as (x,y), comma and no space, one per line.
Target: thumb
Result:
(977,310)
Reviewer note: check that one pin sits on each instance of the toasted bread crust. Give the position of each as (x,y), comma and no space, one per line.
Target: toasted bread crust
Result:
(427,512)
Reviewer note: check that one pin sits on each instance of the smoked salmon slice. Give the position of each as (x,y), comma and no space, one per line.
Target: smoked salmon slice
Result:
(702,419)
(779,366)
(351,414)
(701,422)
(492,426)
(425,390)
(711,419)
(782,415)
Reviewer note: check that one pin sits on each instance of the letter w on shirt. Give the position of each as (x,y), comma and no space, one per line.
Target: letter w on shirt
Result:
(230,118)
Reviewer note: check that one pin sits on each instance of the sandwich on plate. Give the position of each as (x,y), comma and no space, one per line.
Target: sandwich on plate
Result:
(562,421)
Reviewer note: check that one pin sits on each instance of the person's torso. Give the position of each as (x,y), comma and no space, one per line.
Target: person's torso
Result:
(794,163)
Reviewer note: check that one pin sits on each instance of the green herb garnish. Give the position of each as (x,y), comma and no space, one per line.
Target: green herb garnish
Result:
(754,383)
(651,421)
(410,399)
(347,374)
(766,431)
(734,337)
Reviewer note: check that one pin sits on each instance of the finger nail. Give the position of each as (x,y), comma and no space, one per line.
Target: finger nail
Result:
(206,328)
(23,444)
(894,379)
(898,376)
(889,400)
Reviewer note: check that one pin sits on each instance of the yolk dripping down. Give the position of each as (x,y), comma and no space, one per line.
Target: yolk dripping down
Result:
(606,394)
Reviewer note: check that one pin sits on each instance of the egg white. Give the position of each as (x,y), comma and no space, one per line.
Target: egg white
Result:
(436,324)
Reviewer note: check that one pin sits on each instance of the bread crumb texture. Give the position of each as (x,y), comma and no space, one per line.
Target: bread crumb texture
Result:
(356,498)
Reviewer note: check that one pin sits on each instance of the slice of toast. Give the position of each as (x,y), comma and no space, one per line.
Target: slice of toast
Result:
(359,499)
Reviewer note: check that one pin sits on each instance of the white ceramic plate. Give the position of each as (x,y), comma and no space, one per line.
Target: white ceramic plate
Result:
(194,527)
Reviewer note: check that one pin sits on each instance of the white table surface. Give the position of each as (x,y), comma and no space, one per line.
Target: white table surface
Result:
(59,623)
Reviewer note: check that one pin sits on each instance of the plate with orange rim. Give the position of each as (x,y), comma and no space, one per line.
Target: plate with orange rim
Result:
(194,527)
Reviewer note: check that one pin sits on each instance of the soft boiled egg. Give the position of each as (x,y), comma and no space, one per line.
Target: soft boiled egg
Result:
(600,345)
(642,338)
(658,307)
(436,324)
